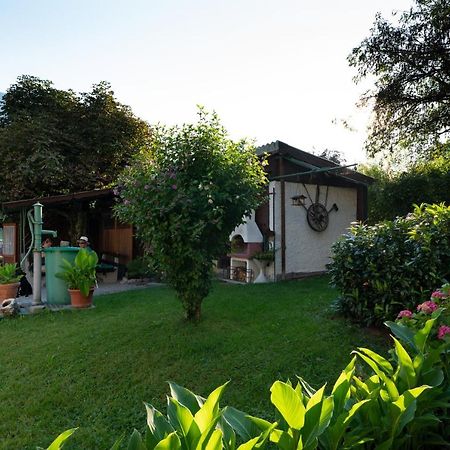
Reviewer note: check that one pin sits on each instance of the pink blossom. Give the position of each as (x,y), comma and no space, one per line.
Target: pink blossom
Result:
(405,313)
(438,295)
(174,186)
(427,307)
(146,187)
(126,202)
(443,330)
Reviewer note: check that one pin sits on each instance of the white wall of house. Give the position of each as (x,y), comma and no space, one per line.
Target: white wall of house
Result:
(308,250)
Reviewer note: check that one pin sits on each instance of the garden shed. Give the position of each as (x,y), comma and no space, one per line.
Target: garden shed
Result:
(311,202)
(71,215)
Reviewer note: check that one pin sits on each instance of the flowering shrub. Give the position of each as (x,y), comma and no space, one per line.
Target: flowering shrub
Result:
(383,269)
(185,195)
(434,309)
(426,333)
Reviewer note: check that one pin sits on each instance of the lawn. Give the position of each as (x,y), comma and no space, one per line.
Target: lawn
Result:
(94,368)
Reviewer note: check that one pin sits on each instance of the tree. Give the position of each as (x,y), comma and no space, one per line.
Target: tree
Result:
(410,61)
(54,141)
(333,155)
(394,194)
(185,196)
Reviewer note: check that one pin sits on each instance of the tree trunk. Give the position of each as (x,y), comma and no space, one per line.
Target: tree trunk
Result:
(193,311)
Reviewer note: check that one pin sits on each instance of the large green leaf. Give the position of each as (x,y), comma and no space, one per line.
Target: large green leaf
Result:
(282,439)
(157,423)
(383,363)
(135,442)
(206,435)
(421,337)
(406,372)
(59,442)
(241,423)
(215,441)
(185,397)
(289,404)
(229,436)
(179,416)
(210,408)
(402,332)
(171,442)
(317,417)
(249,445)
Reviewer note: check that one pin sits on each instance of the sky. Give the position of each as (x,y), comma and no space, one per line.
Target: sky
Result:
(272,70)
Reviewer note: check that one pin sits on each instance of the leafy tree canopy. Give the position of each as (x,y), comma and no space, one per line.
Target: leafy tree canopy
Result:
(394,193)
(333,155)
(186,194)
(54,141)
(410,60)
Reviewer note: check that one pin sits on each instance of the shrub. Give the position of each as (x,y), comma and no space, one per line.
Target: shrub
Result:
(185,194)
(383,269)
(139,268)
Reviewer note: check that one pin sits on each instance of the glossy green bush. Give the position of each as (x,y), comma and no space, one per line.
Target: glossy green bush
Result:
(382,269)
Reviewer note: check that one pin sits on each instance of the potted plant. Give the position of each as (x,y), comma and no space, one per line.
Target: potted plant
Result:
(80,277)
(262,259)
(9,281)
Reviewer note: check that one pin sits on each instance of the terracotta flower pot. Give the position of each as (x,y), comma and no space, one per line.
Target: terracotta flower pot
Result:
(8,290)
(78,300)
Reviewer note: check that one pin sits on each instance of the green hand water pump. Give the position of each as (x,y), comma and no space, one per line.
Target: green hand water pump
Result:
(35,223)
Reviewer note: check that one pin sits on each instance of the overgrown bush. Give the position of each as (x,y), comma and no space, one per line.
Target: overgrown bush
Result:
(399,404)
(382,269)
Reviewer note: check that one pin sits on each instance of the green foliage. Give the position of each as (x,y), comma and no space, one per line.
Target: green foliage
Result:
(399,404)
(139,268)
(409,60)
(268,255)
(185,195)
(54,141)
(382,269)
(8,274)
(394,194)
(81,274)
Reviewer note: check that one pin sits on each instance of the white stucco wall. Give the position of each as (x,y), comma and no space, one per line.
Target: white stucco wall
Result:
(308,250)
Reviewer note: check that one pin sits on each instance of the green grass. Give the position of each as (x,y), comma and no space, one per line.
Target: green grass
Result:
(94,368)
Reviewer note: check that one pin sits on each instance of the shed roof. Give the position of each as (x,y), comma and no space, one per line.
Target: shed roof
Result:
(312,162)
(59,199)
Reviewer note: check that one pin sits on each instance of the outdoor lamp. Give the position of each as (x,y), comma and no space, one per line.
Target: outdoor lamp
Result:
(298,200)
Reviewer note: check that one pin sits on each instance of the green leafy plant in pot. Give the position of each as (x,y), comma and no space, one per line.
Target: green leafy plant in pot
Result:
(80,277)
(9,281)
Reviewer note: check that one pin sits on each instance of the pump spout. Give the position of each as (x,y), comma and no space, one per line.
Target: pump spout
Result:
(50,232)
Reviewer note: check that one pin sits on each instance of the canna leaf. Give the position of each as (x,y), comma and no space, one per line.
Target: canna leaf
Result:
(58,443)
(185,397)
(171,442)
(210,408)
(289,403)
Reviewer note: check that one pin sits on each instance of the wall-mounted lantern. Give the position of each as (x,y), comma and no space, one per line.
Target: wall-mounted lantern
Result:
(298,200)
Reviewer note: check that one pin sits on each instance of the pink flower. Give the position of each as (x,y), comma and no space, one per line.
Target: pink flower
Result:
(438,295)
(146,187)
(427,307)
(126,202)
(443,330)
(405,313)
(174,186)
